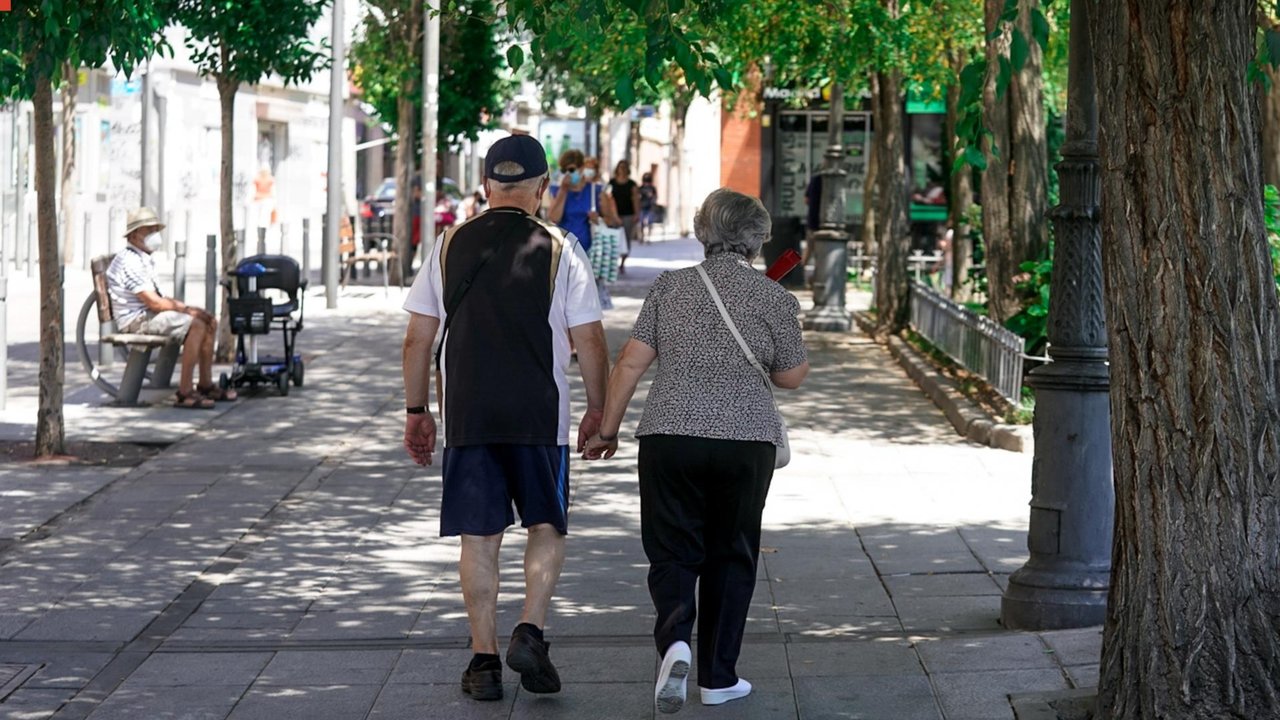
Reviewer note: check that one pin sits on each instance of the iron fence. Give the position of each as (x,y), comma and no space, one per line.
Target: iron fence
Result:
(972,340)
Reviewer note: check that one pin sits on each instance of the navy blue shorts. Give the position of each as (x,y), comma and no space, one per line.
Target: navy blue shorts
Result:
(482,481)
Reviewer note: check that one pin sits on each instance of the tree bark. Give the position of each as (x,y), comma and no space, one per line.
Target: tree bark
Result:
(1029,161)
(50,438)
(70,87)
(996,226)
(959,195)
(893,240)
(227,99)
(1193,620)
(403,218)
(1271,127)
(869,196)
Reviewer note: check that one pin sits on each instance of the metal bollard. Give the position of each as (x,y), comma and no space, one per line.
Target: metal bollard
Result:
(306,249)
(4,341)
(211,274)
(180,270)
(262,240)
(29,258)
(86,243)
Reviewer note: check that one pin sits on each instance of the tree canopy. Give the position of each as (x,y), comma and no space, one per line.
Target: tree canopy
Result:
(247,40)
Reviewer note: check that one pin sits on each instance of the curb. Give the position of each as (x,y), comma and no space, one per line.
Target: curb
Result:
(968,420)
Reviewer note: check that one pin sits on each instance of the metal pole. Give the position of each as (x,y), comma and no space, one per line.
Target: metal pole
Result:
(306,249)
(284,231)
(4,340)
(180,270)
(86,242)
(431,75)
(211,273)
(831,274)
(22,229)
(31,250)
(1065,582)
(147,199)
(262,240)
(337,75)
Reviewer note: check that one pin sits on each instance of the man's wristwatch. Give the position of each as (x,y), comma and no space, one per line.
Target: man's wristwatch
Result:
(416,410)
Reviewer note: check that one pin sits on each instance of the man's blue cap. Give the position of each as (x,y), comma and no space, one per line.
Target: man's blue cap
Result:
(524,150)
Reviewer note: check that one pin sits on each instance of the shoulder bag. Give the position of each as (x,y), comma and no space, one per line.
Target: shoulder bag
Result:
(784,452)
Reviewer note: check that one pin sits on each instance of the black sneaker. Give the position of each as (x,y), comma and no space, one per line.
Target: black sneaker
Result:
(483,680)
(527,655)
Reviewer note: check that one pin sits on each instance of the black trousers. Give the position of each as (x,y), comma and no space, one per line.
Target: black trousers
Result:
(700,507)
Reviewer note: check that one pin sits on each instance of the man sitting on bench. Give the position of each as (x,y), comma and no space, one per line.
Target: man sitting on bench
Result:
(137,307)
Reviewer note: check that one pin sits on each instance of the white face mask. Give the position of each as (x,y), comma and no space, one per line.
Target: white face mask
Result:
(152,242)
(589,173)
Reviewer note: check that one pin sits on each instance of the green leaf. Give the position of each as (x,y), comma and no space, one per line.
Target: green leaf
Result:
(724,79)
(975,157)
(625,89)
(1018,50)
(515,57)
(1040,29)
(1272,41)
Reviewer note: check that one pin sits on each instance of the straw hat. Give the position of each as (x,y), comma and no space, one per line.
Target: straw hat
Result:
(141,218)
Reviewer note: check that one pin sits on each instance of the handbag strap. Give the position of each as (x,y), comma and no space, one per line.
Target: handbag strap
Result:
(733,328)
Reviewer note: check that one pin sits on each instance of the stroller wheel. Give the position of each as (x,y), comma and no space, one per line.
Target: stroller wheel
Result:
(297,373)
(224,381)
(282,383)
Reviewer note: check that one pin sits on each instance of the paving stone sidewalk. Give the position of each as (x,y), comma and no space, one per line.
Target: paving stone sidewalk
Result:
(280,560)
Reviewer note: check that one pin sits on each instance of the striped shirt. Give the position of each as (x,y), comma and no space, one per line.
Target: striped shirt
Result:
(131,272)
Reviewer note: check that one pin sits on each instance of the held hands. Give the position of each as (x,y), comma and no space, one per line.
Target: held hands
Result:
(599,448)
(593,217)
(420,437)
(589,427)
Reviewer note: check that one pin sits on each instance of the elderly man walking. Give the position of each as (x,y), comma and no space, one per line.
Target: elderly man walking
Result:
(506,291)
(138,307)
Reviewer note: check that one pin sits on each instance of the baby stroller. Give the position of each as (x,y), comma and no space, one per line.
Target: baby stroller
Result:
(253,314)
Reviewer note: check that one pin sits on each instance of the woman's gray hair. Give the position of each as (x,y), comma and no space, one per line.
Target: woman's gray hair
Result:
(729,221)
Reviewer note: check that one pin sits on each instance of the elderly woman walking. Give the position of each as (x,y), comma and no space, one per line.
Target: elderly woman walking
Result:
(708,441)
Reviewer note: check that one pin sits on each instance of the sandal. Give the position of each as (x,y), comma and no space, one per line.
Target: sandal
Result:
(194,401)
(218,393)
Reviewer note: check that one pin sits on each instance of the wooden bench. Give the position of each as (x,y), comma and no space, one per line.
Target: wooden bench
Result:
(381,254)
(137,347)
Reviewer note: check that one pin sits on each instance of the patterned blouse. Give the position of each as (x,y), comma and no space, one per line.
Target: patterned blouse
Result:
(705,386)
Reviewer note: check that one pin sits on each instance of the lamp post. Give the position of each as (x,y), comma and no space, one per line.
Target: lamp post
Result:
(337,74)
(1065,582)
(832,249)
(430,106)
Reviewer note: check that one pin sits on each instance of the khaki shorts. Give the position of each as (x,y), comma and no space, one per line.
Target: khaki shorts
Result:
(171,323)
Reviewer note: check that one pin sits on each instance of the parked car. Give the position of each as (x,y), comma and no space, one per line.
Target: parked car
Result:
(378,209)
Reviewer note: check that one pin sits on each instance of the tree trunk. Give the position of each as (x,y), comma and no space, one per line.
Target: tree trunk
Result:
(49,427)
(893,239)
(1271,127)
(70,86)
(1029,160)
(996,230)
(403,218)
(869,197)
(227,99)
(959,195)
(1193,621)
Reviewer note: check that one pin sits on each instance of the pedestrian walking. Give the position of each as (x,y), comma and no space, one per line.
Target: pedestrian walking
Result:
(626,197)
(648,205)
(709,439)
(506,291)
(581,207)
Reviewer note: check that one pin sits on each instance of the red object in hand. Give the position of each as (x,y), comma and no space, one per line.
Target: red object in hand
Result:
(783,265)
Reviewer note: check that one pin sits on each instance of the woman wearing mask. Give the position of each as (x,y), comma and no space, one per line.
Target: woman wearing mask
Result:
(708,441)
(626,196)
(579,202)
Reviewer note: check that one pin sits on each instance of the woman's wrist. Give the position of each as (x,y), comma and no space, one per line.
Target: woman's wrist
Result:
(609,438)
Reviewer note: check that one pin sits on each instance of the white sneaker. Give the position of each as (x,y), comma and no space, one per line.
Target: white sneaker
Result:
(724,695)
(668,695)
